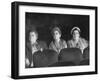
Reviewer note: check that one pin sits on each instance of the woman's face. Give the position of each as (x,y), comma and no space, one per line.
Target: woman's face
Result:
(57,35)
(76,34)
(33,37)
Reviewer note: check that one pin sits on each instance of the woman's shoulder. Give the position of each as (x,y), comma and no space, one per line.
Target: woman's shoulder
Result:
(51,43)
(69,41)
(28,44)
(62,40)
(83,39)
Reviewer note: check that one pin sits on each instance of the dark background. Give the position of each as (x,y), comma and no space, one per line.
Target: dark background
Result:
(44,22)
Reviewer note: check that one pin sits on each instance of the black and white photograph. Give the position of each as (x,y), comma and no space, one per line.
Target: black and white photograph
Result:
(56,40)
(51,40)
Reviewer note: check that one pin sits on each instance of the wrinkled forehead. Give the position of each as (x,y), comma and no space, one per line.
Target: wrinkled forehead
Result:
(56,31)
(32,33)
(76,32)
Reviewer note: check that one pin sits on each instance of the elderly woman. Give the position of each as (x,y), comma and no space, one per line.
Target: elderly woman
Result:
(77,41)
(33,46)
(57,44)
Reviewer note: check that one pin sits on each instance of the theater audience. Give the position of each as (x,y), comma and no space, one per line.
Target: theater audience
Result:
(77,41)
(57,44)
(36,48)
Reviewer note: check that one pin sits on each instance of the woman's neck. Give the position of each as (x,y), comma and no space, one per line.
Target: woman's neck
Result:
(33,42)
(57,40)
(76,40)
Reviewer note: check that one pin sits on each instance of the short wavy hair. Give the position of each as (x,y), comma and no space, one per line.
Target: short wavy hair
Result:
(55,29)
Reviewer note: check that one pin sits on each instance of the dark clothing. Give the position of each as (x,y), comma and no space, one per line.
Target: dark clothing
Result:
(38,46)
(82,44)
(55,47)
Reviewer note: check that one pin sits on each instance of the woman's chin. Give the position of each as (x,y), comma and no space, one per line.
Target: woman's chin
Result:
(76,38)
(57,39)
